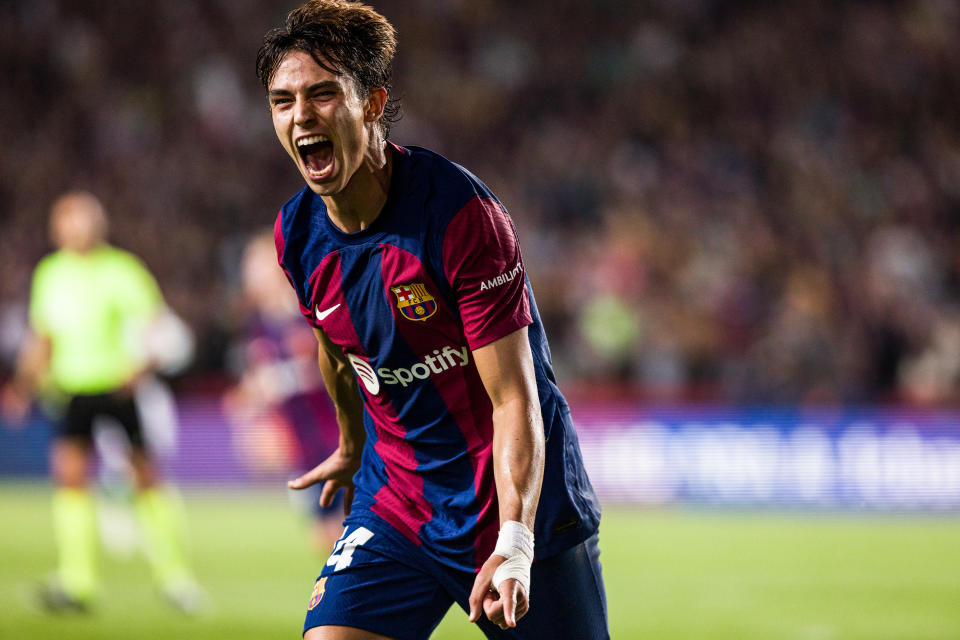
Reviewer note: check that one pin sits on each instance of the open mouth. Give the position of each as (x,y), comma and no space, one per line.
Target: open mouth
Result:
(317,155)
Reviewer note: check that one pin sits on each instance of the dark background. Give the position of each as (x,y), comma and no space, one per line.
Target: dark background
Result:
(732,201)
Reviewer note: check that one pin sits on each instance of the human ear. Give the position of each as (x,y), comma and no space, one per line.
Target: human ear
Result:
(375,103)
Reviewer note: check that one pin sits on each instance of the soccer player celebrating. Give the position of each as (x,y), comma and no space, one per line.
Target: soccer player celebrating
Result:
(457,452)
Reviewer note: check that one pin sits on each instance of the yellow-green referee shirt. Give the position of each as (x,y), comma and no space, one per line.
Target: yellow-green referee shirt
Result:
(93,307)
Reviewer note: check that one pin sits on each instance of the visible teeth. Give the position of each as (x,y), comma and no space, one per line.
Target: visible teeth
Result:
(323,173)
(312,140)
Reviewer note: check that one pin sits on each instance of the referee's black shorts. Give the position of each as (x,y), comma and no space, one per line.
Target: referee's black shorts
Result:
(82,410)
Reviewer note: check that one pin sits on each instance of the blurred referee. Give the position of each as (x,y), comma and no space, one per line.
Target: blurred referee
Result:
(91,308)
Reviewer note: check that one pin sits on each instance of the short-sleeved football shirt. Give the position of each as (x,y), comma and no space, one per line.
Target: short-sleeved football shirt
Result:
(91,306)
(438,274)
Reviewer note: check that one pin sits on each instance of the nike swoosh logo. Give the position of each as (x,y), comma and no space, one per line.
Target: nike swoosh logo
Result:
(323,314)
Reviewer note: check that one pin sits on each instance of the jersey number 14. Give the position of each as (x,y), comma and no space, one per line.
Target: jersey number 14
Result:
(342,554)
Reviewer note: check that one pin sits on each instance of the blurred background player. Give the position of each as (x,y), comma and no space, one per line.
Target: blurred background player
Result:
(96,320)
(280,398)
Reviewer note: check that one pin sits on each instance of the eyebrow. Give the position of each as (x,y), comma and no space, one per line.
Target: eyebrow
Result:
(326,84)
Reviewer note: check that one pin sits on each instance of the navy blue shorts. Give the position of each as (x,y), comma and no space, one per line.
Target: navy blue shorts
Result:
(365,584)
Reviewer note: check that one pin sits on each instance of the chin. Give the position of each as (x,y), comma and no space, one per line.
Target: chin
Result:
(323,188)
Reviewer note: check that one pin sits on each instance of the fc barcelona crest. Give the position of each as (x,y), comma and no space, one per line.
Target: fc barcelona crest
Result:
(414,302)
(317,595)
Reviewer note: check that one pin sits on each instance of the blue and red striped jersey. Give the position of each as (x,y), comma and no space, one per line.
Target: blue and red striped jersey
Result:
(437,274)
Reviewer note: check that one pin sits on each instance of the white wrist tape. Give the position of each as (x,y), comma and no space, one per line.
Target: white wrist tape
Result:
(515,543)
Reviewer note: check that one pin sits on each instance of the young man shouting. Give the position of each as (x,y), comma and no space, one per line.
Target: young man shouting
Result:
(461,468)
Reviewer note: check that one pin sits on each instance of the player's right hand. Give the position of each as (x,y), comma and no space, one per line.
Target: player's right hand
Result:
(14,406)
(336,472)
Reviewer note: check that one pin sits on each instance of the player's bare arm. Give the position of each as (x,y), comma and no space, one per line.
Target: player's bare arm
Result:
(506,368)
(337,470)
(32,365)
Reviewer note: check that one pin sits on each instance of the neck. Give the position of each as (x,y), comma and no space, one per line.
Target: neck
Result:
(81,249)
(356,207)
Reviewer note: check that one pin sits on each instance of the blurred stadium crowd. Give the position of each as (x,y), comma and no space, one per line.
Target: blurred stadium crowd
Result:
(743,201)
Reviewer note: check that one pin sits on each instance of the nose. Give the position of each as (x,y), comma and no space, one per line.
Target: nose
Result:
(303,112)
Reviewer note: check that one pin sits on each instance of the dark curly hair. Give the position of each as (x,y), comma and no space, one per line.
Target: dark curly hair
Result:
(350,36)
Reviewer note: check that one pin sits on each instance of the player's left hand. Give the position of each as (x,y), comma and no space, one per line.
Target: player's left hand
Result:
(502,607)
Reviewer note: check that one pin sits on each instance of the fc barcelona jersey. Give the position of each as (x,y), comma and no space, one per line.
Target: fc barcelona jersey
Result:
(435,276)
